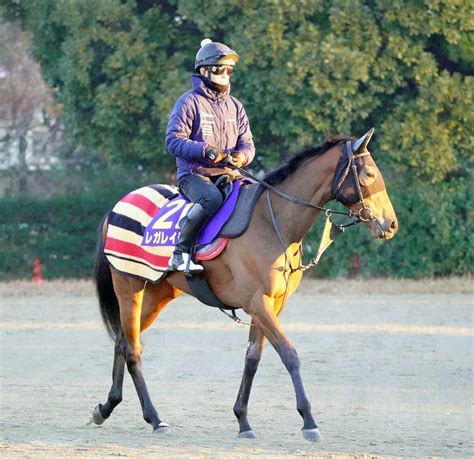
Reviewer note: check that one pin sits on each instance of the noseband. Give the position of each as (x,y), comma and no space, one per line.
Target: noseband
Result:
(345,165)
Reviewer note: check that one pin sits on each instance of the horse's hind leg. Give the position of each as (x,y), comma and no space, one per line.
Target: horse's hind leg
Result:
(155,298)
(140,304)
(130,295)
(252,359)
(103,411)
(133,318)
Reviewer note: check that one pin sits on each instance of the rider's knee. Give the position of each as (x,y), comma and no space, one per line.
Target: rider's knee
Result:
(211,202)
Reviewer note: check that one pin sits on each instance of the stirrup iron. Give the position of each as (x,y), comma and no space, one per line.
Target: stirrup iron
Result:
(187,266)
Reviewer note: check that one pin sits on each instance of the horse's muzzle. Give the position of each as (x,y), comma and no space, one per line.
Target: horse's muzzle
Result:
(386,230)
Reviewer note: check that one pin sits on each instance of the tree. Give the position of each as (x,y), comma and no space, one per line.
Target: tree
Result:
(307,69)
(117,68)
(29,125)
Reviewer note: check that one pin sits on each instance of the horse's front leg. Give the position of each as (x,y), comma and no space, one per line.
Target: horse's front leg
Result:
(252,359)
(263,314)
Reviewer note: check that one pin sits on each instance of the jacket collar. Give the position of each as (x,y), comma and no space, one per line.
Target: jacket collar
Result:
(201,88)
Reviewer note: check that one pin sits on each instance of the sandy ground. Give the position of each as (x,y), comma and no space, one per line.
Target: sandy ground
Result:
(387,366)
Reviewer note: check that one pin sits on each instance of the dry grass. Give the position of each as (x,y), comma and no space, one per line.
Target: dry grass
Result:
(55,288)
(462,285)
(78,288)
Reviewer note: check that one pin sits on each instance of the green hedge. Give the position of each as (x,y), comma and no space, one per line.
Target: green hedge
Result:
(60,230)
(433,238)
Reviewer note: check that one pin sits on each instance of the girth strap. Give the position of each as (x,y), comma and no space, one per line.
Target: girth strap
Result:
(201,290)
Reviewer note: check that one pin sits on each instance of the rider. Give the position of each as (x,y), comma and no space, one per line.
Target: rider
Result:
(206,125)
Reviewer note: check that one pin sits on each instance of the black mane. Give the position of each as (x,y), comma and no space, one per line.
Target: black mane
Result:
(278,175)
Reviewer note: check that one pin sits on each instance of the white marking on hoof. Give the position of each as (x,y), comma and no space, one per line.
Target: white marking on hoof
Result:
(247,434)
(97,417)
(312,434)
(162,428)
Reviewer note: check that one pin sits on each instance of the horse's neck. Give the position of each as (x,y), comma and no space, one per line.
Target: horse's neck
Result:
(311,183)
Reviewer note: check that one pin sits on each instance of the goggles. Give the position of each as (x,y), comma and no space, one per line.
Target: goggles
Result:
(220,69)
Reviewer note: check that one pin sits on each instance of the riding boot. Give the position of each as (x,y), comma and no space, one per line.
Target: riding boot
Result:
(182,255)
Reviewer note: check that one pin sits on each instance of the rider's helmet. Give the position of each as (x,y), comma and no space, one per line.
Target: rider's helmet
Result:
(211,52)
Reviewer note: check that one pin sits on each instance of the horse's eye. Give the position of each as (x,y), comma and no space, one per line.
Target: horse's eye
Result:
(367,176)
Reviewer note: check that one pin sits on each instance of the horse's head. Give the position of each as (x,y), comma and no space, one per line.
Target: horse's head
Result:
(359,185)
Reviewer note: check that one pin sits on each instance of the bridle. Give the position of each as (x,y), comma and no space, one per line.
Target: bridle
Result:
(364,214)
(346,167)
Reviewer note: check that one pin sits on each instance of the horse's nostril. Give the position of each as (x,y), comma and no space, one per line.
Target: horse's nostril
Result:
(394,225)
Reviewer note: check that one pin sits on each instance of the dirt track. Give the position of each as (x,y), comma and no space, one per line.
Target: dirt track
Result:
(387,374)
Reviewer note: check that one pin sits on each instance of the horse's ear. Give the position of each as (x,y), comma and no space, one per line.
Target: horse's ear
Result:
(361,144)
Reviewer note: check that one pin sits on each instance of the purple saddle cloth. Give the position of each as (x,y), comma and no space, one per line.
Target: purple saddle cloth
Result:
(218,220)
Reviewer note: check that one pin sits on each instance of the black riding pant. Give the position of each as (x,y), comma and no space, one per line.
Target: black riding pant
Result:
(200,189)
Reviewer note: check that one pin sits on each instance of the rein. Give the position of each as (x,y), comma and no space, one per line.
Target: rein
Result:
(365,213)
(290,197)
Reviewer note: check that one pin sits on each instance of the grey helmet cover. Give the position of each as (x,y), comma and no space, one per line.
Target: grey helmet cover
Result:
(211,52)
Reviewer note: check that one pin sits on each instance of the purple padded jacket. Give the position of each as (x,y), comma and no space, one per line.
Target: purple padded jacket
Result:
(202,116)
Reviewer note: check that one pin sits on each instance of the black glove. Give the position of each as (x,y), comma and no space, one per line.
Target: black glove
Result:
(215,154)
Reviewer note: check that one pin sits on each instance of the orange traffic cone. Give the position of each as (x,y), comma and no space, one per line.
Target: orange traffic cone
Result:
(37,268)
(354,271)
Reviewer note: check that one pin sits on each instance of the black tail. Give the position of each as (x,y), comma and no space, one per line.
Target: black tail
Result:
(109,307)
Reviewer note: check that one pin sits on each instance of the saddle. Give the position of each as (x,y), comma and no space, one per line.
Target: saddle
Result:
(231,220)
(239,221)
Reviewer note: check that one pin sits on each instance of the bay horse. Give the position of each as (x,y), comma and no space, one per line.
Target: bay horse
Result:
(255,272)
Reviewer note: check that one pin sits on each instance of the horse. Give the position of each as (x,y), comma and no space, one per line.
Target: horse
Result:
(255,272)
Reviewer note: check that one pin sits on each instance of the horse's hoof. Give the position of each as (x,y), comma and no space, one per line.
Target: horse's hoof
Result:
(247,434)
(97,416)
(162,428)
(312,434)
